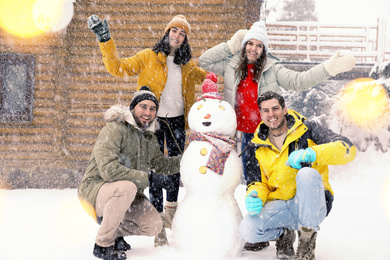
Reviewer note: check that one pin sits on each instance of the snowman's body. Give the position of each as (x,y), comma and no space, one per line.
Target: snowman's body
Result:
(206,222)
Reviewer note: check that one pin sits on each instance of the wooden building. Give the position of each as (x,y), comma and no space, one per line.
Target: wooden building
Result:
(54,87)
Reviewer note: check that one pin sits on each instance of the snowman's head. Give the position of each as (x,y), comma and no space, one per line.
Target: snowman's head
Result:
(210,115)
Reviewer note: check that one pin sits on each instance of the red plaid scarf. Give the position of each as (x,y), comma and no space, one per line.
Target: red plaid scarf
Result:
(221,149)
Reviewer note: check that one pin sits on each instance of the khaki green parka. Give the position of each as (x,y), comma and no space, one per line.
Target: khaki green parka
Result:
(123,152)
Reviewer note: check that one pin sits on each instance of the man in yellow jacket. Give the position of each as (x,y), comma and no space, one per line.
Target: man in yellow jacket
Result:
(288,186)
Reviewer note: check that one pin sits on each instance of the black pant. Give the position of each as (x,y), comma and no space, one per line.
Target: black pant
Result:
(170,183)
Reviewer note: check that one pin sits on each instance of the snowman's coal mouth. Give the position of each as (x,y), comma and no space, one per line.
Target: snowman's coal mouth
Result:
(206,123)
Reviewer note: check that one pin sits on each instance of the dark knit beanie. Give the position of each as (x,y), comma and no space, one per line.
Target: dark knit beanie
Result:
(144,93)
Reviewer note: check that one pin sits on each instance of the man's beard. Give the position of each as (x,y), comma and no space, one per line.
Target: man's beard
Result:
(139,124)
(284,121)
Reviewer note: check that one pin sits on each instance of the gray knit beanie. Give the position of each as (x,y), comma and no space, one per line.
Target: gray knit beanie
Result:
(257,31)
(144,93)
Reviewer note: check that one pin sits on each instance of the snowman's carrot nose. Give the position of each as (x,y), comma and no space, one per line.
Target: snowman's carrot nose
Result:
(207,116)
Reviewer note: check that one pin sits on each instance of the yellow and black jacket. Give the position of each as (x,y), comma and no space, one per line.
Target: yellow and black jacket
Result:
(267,170)
(152,71)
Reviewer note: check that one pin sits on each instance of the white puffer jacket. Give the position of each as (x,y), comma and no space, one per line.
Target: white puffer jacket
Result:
(221,61)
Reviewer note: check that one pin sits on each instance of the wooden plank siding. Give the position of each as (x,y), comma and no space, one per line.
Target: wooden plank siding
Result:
(72,88)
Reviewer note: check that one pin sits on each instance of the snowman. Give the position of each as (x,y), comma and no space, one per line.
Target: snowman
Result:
(207,219)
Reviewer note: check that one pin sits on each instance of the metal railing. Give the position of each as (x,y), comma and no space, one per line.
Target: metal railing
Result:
(313,41)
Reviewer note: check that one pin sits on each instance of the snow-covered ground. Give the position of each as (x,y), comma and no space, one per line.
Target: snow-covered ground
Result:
(50,224)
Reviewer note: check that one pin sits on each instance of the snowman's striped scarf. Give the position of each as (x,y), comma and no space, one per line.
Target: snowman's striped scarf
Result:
(222,146)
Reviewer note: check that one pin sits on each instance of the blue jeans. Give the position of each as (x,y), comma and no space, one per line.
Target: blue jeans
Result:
(307,208)
(246,138)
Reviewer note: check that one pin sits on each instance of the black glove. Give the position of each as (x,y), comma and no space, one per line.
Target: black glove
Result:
(99,28)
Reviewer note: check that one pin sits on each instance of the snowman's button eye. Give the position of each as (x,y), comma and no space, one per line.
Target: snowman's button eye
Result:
(203,169)
(222,108)
(199,107)
(203,151)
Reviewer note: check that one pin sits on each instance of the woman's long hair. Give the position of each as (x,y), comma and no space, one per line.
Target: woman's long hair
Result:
(182,55)
(258,66)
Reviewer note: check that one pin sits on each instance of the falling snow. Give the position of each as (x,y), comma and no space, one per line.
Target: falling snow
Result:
(51,224)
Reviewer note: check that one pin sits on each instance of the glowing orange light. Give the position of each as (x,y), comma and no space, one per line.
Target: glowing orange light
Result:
(28,18)
(89,209)
(365,103)
(69,216)
(16,17)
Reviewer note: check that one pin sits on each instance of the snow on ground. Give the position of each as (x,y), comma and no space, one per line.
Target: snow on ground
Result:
(50,224)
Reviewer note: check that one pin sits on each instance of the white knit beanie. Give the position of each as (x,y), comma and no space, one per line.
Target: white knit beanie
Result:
(257,31)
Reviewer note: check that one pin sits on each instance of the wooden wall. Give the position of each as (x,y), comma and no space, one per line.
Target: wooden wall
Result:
(72,88)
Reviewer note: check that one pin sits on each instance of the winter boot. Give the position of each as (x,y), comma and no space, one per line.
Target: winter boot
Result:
(306,244)
(108,253)
(121,244)
(161,238)
(170,210)
(285,244)
(255,246)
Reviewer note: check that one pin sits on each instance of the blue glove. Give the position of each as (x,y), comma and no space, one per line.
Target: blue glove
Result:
(253,203)
(99,28)
(302,157)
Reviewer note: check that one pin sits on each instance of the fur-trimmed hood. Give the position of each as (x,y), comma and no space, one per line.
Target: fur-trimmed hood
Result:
(121,113)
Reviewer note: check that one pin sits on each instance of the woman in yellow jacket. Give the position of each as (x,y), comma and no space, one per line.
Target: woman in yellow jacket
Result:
(171,74)
(288,177)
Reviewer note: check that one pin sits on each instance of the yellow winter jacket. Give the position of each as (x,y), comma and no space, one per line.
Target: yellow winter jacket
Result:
(275,180)
(152,71)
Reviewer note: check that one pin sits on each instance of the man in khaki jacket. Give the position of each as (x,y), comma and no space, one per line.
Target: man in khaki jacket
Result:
(171,74)
(111,191)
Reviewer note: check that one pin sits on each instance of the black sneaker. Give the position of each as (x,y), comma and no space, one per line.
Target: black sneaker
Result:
(108,253)
(285,244)
(255,246)
(121,244)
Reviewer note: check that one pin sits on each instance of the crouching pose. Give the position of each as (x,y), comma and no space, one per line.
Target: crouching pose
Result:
(171,73)
(111,191)
(288,178)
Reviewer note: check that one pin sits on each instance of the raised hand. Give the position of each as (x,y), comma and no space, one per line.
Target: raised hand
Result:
(338,64)
(99,28)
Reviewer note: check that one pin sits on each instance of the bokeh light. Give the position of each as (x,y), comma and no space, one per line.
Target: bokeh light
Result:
(365,103)
(1,208)
(70,217)
(16,18)
(386,197)
(52,15)
(29,18)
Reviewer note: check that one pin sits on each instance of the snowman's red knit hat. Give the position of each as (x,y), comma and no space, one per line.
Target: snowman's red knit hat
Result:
(210,88)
